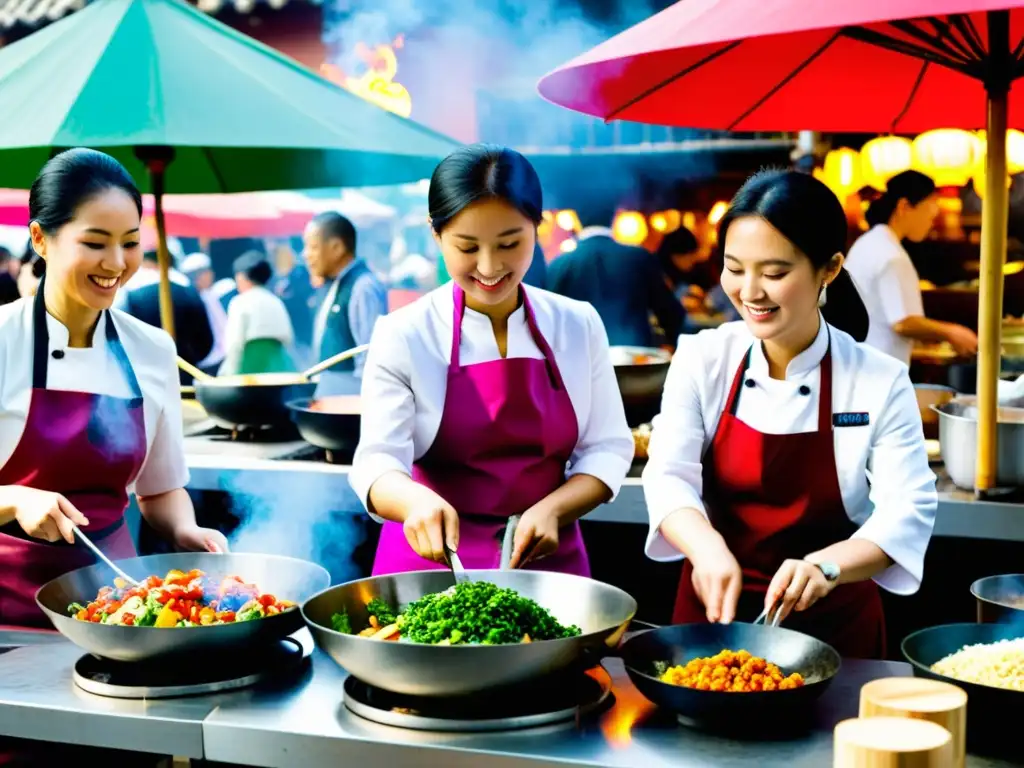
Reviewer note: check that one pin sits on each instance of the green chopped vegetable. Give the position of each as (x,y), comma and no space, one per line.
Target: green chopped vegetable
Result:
(385,613)
(480,612)
(660,668)
(75,608)
(340,622)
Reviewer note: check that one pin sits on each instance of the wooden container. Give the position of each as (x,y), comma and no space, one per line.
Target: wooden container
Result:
(921,699)
(891,742)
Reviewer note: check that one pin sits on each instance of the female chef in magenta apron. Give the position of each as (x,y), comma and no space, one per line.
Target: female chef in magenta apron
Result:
(485,398)
(788,462)
(89,400)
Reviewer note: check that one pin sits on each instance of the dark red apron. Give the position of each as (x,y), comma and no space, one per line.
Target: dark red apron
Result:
(777,497)
(88,448)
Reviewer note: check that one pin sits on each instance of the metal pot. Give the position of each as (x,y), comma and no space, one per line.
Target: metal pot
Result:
(927,396)
(958,437)
(640,373)
(327,427)
(252,401)
(1000,599)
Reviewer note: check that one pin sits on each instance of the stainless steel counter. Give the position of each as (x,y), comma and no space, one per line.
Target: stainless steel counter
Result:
(306,724)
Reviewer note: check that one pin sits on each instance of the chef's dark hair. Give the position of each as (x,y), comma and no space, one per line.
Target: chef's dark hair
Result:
(809,215)
(912,186)
(483,172)
(679,241)
(255,266)
(70,179)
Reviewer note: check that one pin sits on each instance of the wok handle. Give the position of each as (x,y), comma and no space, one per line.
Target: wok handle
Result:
(334,360)
(192,371)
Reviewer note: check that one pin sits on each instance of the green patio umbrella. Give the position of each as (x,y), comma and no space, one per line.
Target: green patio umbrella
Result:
(190,105)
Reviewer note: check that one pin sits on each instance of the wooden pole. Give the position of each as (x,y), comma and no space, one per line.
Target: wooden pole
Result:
(994,219)
(156,183)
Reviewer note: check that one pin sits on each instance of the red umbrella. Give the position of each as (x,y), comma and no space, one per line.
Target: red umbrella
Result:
(864,66)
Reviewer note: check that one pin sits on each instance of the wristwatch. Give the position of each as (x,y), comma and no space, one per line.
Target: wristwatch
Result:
(830,571)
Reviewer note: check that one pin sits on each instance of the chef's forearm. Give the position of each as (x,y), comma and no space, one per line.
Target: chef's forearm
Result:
(576,497)
(394,495)
(923,329)
(858,559)
(168,512)
(689,531)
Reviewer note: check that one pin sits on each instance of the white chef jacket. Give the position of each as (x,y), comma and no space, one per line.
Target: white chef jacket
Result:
(254,314)
(406,374)
(884,478)
(95,369)
(889,286)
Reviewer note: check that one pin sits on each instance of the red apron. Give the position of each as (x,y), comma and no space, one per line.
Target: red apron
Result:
(84,446)
(507,431)
(777,497)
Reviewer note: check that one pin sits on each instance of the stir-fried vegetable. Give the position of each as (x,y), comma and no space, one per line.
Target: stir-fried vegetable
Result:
(475,612)
(179,599)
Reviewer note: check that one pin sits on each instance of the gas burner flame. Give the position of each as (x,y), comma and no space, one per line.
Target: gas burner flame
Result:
(377,82)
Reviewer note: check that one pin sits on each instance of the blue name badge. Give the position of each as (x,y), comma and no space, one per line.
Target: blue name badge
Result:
(849,419)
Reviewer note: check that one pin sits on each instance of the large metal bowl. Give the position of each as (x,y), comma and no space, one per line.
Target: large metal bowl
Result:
(1000,599)
(284,577)
(601,611)
(640,373)
(958,437)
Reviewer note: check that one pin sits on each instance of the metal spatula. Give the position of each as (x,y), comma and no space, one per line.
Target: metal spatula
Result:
(508,541)
(453,560)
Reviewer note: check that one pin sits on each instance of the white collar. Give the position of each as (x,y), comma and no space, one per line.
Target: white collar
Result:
(806,361)
(886,231)
(446,305)
(588,232)
(59,335)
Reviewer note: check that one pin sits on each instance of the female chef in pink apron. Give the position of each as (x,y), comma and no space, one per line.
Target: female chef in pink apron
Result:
(788,461)
(485,398)
(89,399)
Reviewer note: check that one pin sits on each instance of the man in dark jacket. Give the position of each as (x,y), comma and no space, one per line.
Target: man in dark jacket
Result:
(625,284)
(9,268)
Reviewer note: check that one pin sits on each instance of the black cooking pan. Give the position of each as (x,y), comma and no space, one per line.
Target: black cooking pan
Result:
(329,429)
(753,713)
(1000,599)
(252,401)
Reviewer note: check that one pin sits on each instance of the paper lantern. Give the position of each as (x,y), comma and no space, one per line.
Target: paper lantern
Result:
(842,172)
(883,158)
(568,220)
(630,228)
(948,155)
(978,176)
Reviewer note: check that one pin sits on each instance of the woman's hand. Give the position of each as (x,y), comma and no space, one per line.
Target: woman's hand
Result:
(43,514)
(536,536)
(797,585)
(717,580)
(192,538)
(428,524)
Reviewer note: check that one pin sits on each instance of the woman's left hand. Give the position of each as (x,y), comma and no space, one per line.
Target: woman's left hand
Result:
(536,536)
(797,585)
(192,538)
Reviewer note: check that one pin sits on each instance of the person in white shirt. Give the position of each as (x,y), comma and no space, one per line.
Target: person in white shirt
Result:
(486,399)
(198,268)
(788,462)
(259,331)
(885,275)
(90,409)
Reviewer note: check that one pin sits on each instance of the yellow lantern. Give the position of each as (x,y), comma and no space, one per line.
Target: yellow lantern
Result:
(568,220)
(882,158)
(567,246)
(948,155)
(842,172)
(666,221)
(630,228)
(1014,150)
(979,176)
(717,212)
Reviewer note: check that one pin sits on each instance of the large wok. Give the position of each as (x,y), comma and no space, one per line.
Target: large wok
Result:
(284,577)
(1000,599)
(601,611)
(792,651)
(331,422)
(640,373)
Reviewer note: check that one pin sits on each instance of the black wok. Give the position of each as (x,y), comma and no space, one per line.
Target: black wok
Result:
(330,430)
(284,577)
(640,373)
(1000,599)
(258,400)
(988,709)
(755,712)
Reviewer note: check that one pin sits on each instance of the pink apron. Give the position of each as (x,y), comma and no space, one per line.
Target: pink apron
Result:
(84,446)
(507,431)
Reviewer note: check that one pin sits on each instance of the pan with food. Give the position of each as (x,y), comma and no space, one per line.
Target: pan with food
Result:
(331,422)
(1000,599)
(413,633)
(640,373)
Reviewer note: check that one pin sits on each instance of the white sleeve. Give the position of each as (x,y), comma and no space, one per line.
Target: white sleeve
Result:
(389,411)
(902,491)
(165,468)
(899,291)
(605,448)
(672,478)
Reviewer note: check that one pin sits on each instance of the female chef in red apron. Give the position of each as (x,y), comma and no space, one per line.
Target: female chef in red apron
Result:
(89,400)
(486,399)
(788,462)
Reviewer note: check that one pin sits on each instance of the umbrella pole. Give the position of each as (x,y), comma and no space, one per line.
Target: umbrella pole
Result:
(156,184)
(994,220)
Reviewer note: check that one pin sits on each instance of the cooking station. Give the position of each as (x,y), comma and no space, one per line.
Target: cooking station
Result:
(301,719)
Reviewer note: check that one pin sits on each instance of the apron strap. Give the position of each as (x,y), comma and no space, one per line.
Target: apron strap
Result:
(542,344)
(41,345)
(733,401)
(460,307)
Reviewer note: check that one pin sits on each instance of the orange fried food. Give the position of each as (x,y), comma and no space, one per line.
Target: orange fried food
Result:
(731,672)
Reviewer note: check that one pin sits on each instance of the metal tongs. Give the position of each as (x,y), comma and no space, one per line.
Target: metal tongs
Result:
(764,617)
(103,558)
(453,560)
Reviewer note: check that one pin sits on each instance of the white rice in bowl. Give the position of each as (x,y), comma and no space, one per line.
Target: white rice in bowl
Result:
(999,664)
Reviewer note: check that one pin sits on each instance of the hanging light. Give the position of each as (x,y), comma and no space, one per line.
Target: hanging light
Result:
(567,246)
(630,228)
(568,220)
(1014,150)
(666,221)
(717,212)
(948,155)
(978,176)
(882,158)
(842,172)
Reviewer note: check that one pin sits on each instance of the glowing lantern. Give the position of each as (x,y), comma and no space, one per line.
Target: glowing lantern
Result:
(717,212)
(630,228)
(1014,150)
(568,220)
(883,158)
(567,246)
(979,176)
(842,172)
(690,220)
(948,155)
(666,221)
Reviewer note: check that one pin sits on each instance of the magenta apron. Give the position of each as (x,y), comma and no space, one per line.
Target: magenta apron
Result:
(84,446)
(507,431)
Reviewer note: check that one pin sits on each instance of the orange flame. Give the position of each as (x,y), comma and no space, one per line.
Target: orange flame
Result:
(377,83)
(629,710)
